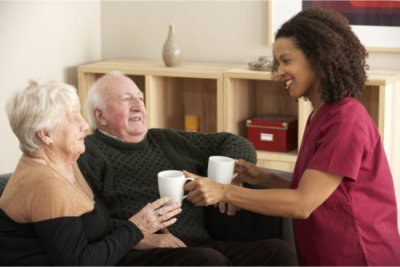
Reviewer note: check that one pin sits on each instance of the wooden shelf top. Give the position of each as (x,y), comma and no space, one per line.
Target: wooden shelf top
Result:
(375,77)
(208,70)
(382,77)
(244,72)
(154,67)
(277,156)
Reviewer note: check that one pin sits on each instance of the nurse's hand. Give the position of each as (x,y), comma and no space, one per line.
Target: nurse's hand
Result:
(203,191)
(247,172)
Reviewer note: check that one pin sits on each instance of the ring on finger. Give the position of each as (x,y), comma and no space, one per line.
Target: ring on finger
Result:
(157,212)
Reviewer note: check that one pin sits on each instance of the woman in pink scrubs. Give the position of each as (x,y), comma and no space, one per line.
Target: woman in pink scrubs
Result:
(341,196)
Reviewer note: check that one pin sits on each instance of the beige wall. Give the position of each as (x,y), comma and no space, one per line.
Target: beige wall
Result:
(46,39)
(222,31)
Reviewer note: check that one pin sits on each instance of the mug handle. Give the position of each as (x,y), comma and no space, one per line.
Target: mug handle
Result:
(187,180)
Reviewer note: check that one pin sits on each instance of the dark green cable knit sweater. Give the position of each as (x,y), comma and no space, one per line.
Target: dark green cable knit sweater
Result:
(124,175)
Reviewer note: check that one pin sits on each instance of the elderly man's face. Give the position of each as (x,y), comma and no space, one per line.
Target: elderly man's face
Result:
(124,115)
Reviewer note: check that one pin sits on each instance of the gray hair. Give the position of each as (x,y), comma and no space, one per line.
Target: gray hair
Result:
(94,98)
(41,105)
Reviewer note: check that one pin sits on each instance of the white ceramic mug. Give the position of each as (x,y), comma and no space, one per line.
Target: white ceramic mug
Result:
(171,183)
(220,169)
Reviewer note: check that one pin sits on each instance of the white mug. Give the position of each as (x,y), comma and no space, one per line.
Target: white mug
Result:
(220,169)
(171,183)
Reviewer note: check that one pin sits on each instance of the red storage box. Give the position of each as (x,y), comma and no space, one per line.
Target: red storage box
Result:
(273,132)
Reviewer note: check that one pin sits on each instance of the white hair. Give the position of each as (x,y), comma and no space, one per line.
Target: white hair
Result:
(41,105)
(94,98)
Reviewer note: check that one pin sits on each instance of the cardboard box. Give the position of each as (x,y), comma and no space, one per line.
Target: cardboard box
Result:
(273,132)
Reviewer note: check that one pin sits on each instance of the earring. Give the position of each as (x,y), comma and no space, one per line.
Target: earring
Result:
(51,142)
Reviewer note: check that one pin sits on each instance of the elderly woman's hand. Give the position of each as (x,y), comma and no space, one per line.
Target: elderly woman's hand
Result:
(203,191)
(154,216)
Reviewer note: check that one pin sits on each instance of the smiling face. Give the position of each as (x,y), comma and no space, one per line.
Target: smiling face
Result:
(294,69)
(124,114)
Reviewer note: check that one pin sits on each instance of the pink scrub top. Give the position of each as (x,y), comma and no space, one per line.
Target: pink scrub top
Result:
(357,224)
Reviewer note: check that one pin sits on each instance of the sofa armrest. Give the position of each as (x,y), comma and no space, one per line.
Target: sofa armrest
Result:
(243,226)
(3,181)
(246,225)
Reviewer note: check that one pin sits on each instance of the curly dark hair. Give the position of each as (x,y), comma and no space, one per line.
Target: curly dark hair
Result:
(335,53)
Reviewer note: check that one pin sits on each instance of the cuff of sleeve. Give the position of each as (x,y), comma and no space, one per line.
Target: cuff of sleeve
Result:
(135,230)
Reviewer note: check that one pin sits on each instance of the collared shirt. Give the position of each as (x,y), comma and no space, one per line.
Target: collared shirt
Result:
(112,136)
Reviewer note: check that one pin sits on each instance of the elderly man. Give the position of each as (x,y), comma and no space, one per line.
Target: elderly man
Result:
(121,163)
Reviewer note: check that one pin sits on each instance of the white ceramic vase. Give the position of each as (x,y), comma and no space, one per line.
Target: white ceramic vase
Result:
(172,51)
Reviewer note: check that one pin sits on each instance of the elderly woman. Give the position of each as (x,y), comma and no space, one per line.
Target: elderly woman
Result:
(48,214)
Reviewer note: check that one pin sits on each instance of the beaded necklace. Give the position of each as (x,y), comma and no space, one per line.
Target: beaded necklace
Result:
(82,192)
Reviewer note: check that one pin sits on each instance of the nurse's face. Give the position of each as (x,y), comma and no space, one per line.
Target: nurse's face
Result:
(294,70)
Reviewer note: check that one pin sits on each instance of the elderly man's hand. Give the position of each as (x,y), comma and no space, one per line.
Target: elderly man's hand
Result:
(154,216)
(159,241)
(227,208)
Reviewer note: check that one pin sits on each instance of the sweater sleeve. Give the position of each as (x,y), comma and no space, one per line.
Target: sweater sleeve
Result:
(65,241)
(222,143)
